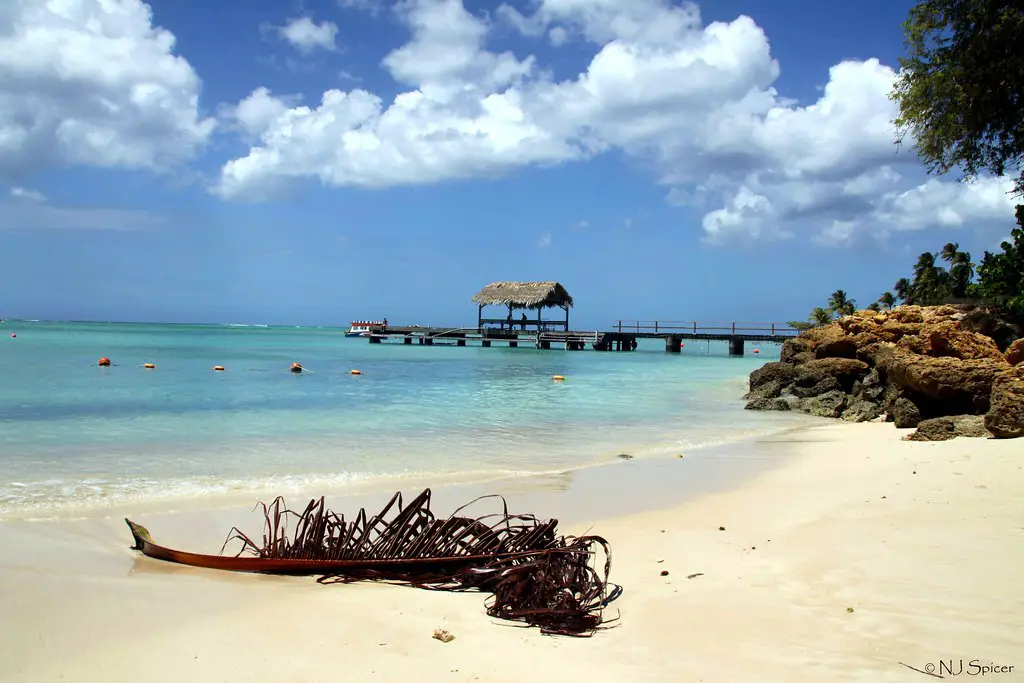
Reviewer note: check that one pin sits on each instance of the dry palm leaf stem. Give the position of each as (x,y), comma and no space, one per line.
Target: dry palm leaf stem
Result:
(535,576)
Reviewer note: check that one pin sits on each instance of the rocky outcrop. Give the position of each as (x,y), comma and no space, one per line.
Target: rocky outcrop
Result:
(945,428)
(1015,352)
(935,368)
(1005,417)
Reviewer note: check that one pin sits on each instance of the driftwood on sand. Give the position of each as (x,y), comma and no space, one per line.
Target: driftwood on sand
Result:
(535,576)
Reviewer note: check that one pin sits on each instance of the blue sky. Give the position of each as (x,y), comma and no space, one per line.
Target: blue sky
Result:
(662,161)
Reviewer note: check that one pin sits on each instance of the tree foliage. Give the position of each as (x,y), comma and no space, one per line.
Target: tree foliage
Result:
(961,87)
(1000,280)
(1001,276)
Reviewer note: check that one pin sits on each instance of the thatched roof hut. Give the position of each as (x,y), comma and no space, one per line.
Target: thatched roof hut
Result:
(534,295)
(531,295)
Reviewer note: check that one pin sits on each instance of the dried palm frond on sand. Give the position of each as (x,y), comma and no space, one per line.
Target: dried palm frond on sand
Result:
(536,577)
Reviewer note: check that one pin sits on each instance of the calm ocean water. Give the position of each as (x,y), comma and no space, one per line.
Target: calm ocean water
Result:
(77,437)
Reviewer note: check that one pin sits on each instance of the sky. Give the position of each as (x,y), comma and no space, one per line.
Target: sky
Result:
(315,162)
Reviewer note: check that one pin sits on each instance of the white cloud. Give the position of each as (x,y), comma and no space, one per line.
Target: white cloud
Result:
(372,6)
(694,104)
(93,82)
(545,241)
(27,195)
(257,111)
(306,36)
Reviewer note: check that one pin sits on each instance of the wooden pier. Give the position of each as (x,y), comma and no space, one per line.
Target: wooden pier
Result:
(536,332)
(623,336)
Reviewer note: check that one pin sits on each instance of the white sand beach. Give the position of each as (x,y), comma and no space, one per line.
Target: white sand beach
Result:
(923,541)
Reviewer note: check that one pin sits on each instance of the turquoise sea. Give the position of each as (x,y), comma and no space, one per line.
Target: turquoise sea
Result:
(76,437)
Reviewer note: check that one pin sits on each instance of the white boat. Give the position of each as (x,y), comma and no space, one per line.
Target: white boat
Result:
(362,328)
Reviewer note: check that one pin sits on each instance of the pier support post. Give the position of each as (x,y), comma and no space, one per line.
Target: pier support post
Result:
(545,344)
(461,340)
(407,340)
(735,346)
(374,339)
(672,343)
(486,343)
(513,344)
(429,341)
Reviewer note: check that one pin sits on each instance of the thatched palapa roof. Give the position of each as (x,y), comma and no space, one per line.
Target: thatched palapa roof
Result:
(523,295)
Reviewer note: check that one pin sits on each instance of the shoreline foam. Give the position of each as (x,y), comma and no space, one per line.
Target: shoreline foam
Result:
(115,498)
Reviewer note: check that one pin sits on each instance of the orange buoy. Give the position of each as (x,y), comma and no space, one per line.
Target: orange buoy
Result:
(558,378)
(757,351)
(355,372)
(218,368)
(296,367)
(148,366)
(103,362)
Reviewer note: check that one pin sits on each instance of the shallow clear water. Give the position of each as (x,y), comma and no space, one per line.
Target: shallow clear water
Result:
(75,436)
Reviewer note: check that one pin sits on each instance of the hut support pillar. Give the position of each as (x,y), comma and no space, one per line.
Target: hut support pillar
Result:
(480,318)
(672,342)
(736,346)
(407,340)
(461,340)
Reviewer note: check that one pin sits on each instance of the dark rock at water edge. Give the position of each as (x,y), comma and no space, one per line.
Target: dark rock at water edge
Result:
(949,427)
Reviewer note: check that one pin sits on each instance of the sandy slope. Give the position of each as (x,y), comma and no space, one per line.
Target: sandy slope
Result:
(924,542)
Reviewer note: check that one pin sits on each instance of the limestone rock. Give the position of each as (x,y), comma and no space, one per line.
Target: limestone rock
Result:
(829,404)
(954,386)
(822,386)
(835,343)
(767,404)
(1005,417)
(794,402)
(770,389)
(906,365)
(945,428)
(792,347)
(1015,352)
(1001,329)
(946,339)
(845,371)
(905,413)
(783,373)
(861,411)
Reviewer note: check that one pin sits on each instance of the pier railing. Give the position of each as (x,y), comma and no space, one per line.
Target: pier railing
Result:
(694,327)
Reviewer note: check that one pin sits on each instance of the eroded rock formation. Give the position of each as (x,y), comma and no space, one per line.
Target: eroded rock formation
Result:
(938,368)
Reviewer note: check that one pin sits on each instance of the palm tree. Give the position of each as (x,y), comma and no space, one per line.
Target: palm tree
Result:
(931,284)
(904,290)
(874,306)
(820,316)
(887,300)
(950,251)
(840,303)
(961,273)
